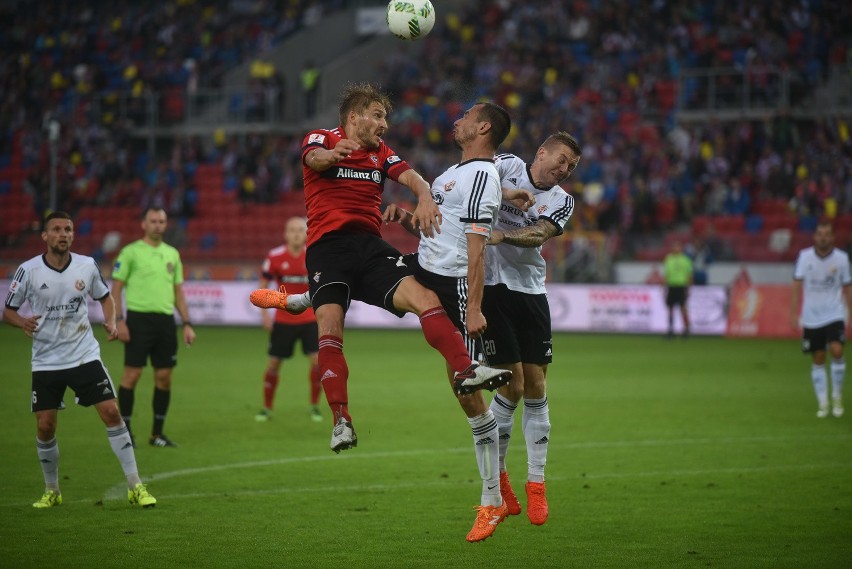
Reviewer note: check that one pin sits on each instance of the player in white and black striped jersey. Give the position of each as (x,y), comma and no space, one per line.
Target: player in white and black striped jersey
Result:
(65,353)
(452,264)
(519,336)
(822,279)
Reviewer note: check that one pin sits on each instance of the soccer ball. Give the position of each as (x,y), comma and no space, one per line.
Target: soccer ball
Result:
(410,20)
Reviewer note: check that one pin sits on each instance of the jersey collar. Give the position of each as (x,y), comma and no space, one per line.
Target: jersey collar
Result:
(489,160)
(532,182)
(52,268)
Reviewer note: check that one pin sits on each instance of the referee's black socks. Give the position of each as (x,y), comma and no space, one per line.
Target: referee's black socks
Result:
(161,406)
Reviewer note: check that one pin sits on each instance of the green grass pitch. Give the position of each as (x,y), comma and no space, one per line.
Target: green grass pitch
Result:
(688,453)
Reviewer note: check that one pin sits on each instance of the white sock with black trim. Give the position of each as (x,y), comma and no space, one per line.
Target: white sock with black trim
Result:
(48,456)
(485,436)
(838,372)
(820,381)
(122,446)
(504,413)
(536,425)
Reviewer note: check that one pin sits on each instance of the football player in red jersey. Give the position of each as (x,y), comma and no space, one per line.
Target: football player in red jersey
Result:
(285,265)
(344,171)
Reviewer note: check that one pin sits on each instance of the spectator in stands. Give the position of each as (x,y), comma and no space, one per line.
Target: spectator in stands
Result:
(737,200)
(701,255)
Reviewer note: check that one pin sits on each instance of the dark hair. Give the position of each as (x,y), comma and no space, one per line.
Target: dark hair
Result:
(562,137)
(151,208)
(825,223)
(500,121)
(55,215)
(358,96)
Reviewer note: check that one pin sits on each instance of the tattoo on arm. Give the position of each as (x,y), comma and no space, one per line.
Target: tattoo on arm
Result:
(532,236)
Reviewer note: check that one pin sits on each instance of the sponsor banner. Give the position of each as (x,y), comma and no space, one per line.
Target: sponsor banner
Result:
(574,308)
(633,309)
(762,311)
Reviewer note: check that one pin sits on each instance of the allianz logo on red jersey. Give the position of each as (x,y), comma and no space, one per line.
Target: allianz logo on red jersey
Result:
(352,174)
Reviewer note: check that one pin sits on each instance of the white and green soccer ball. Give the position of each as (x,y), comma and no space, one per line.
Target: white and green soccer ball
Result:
(411,19)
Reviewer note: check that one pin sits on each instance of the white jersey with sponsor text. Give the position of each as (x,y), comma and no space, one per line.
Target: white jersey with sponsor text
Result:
(64,337)
(468,195)
(523,269)
(823,279)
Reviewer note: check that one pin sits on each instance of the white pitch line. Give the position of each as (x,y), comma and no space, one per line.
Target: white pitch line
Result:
(444,483)
(118,491)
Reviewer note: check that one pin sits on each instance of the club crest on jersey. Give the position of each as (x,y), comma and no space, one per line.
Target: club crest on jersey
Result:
(285,265)
(448,187)
(375,159)
(79,285)
(541,209)
(317,276)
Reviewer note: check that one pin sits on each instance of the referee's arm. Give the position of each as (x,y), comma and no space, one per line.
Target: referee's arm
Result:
(180,304)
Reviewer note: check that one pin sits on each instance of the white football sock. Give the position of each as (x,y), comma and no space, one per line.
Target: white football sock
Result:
(122,446)
(838,371)
(48,456)
(504,413)
(820,382)
(485,435)
(536,425)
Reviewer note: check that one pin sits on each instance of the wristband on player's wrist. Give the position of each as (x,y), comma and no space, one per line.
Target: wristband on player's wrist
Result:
(187,323)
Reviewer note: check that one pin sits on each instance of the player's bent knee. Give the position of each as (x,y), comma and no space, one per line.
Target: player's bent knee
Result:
(411,296)
(108,411)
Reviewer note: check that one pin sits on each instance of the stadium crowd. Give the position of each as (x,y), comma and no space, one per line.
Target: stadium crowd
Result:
(605,73)
(89,66)
(608,75)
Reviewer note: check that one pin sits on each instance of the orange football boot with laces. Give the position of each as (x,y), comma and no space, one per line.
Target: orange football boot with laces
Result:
(487,519)
(268,298)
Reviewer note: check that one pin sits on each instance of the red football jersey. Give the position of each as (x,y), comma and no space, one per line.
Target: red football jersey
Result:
(289,270)
(348,195)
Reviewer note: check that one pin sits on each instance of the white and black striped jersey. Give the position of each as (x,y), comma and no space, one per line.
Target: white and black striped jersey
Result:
(468,195)
(523,269)
(823,279)
(64,337)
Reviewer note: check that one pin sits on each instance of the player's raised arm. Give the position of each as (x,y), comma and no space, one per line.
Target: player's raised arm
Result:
(320,159)
(427,216)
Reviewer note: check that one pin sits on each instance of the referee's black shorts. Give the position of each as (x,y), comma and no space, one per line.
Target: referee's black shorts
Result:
(151,335)
(519,327)
(676,296)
